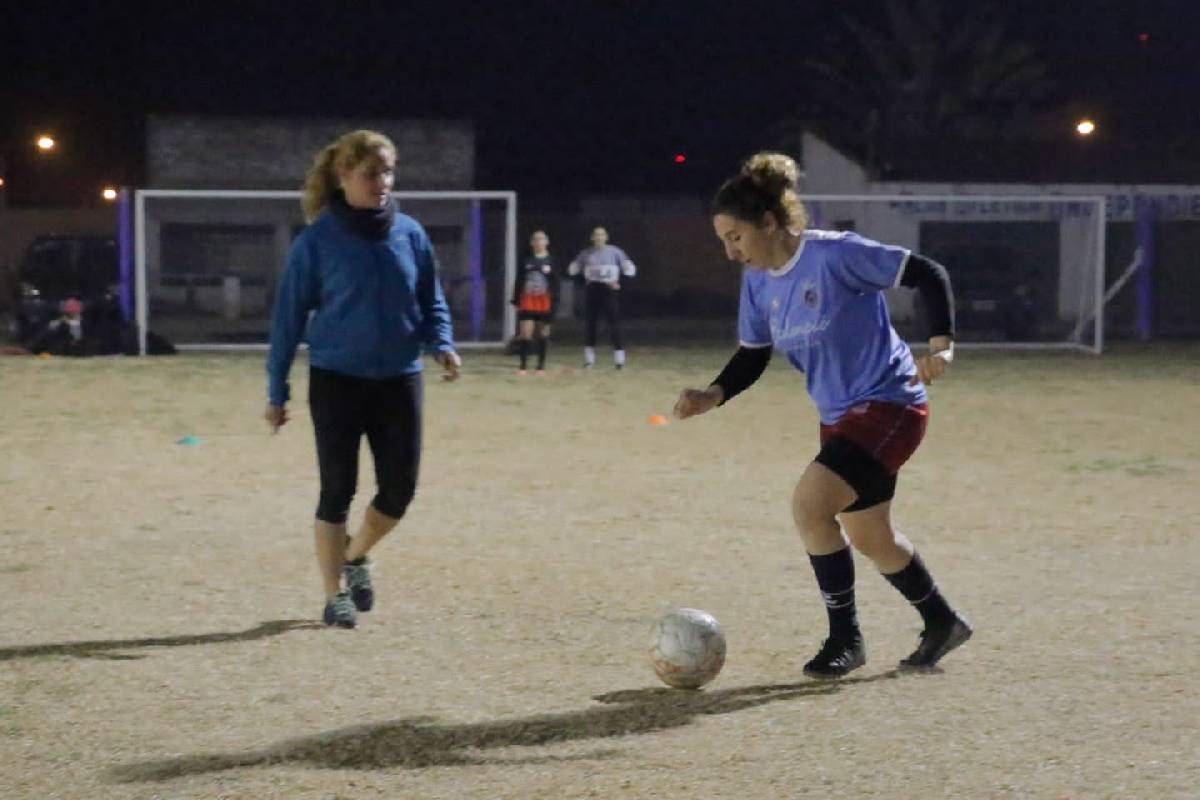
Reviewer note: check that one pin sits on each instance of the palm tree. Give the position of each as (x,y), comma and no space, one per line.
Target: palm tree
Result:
(934,70)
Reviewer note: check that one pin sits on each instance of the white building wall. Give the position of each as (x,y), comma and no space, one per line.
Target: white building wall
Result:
(828,171)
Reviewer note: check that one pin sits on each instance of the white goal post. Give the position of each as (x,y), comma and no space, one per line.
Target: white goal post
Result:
(1028,269)
(206,262)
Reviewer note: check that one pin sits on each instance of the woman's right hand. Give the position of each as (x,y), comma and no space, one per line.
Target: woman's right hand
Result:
(692,402)
(276,417)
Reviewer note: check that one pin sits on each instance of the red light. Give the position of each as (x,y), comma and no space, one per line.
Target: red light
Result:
(1143,37)
(680,158)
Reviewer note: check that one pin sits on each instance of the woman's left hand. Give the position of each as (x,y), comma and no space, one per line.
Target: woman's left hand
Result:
(450,363)
(933,366)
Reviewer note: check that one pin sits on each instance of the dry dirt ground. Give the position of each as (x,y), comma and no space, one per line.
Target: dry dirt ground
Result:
(157,636)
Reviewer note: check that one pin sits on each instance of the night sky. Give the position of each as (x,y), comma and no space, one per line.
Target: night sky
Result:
(566,96)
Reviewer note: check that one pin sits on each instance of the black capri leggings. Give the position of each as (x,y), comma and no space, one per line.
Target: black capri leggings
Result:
(602,299)
(388,411)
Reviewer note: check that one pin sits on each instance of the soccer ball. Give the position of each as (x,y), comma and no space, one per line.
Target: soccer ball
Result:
(687,648)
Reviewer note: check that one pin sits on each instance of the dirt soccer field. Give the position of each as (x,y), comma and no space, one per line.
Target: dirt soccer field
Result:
(157,635)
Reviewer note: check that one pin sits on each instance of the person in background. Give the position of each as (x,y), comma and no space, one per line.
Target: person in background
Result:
(602,266)
(535,294)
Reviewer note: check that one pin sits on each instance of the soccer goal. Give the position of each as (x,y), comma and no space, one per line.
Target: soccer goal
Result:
(1028,270)
(207,262)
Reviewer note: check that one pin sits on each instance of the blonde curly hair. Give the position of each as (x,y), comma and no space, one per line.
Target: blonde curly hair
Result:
(343,154)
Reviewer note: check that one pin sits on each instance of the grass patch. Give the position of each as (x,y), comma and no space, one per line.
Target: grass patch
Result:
(1147,466)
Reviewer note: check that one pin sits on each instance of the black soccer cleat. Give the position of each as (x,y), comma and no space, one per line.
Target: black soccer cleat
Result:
(339,611)
(837,659)
(358,581)
(936,642)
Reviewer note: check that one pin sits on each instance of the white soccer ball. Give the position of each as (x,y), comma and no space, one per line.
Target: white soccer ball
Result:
(687,648)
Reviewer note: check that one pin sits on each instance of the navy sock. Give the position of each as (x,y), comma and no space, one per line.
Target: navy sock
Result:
(918,588)
(542,347)
(835,577)
(523,349)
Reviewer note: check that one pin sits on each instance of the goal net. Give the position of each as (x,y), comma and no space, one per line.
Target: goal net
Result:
(1027,270)
(207,262)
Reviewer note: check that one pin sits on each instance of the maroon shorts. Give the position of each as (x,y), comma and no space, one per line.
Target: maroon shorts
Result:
(887,432)
(868,445)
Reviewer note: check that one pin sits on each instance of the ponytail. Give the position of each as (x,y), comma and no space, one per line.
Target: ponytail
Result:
(320,183)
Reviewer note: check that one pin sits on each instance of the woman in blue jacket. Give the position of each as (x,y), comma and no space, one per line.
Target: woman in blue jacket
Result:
(361,287)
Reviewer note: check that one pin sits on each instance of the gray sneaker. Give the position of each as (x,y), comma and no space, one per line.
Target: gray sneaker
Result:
(340,612)
(358,583)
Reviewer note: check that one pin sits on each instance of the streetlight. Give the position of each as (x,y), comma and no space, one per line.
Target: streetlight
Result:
(44,142)
(109,193)
(1085,127)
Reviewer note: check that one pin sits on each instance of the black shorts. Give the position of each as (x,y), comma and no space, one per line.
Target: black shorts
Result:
(387,411)
(534,316)
(866,476)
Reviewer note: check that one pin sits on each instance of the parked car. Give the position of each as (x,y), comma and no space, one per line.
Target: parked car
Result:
(68,290)
(995,299)
(59,268)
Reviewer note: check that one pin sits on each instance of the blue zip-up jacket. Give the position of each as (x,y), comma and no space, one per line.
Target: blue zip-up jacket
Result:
(374,303)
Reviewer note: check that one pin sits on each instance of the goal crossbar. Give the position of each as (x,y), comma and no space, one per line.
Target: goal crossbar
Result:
(142,308)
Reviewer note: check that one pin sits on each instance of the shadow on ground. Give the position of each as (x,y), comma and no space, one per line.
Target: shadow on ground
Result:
(420,742)
(110,648)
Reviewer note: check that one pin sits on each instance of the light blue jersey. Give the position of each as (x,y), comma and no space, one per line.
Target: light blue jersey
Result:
(825,312)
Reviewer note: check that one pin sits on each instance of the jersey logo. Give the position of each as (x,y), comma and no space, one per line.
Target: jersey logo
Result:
(808,291)
(774,303)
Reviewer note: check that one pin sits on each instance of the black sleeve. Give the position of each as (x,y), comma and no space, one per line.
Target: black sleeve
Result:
(555,288)
(746,366)
(516,289)
(933,282)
